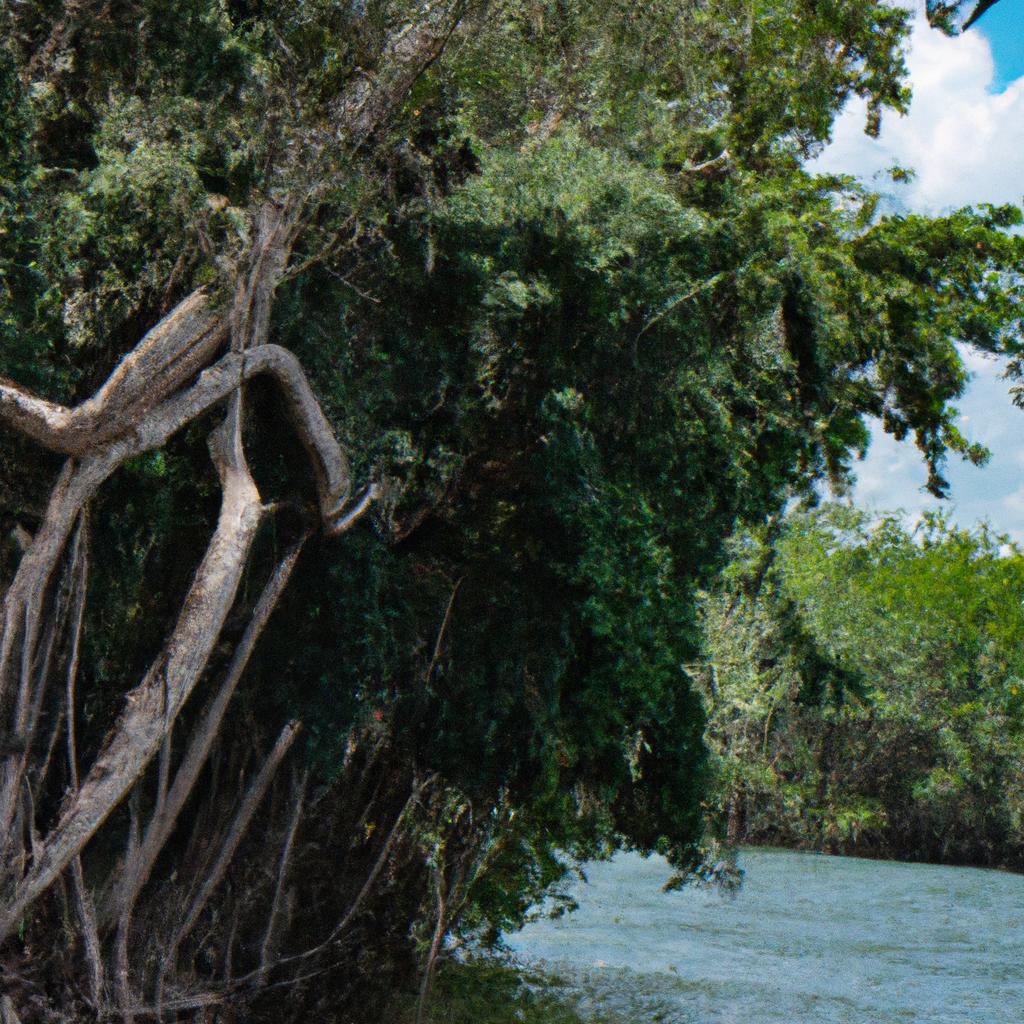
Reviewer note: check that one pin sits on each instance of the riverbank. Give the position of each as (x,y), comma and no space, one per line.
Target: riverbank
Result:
(492,991)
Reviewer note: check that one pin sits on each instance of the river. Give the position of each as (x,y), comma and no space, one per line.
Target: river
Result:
(808,939)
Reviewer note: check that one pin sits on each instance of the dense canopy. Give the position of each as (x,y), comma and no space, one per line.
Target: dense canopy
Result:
(499,317)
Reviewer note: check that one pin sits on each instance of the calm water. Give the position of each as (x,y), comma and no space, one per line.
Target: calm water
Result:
(808,940)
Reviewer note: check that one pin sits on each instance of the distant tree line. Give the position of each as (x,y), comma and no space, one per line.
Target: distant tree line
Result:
(865,687)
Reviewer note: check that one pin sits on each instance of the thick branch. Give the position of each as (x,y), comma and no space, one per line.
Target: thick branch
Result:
(90,935)
(165,359)
(369,101)
(276,228)
(250,802)
(124,419)
(156,701)
(330,464)
(137,870)
(169,355)
(22,610)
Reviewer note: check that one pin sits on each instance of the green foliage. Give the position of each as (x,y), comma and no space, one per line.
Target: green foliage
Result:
(957,15)
(759,78)
(577,304)
(485,992)
(921,762)
(23,351)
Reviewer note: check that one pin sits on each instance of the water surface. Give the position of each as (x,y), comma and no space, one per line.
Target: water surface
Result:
(808,940)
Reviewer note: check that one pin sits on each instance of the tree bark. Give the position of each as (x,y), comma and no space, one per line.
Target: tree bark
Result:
(250,802)
(137,869)
(198,357)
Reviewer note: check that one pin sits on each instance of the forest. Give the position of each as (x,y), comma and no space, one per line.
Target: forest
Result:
(865,692)
(415,422)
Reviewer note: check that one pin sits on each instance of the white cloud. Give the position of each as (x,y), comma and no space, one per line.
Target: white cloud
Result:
(966,144)
(1014,502)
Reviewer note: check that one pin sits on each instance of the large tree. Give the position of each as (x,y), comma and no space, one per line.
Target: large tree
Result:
(555,276)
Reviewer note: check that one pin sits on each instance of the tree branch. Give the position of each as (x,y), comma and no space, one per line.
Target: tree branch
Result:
(164,360)
(369,100)
(250,802)
(136,871)
(156,701)
(282,875)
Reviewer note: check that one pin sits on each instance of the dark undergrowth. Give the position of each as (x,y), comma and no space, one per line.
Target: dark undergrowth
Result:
(495,992)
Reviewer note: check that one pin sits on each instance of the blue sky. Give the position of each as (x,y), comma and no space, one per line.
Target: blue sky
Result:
(964,136)
(1003,27)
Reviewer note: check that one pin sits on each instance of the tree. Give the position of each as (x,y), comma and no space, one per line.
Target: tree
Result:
(555,275)
(958,15)
(868,697)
